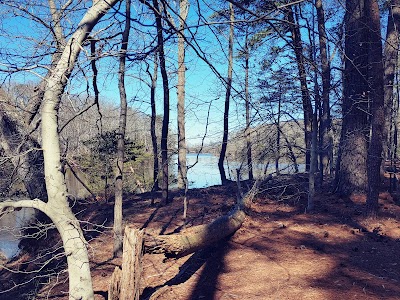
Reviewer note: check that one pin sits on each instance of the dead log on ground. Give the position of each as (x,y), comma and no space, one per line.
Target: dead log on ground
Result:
(198,237)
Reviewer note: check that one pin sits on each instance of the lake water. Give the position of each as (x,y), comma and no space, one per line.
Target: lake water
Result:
(205,172)
(10,229)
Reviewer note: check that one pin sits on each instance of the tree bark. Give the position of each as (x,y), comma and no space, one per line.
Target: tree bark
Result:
(227,98)
(278,133)
(165,123)
(352,165)
(247,106)
(390,63)
(131,264)
(326,122)
(182,169)
(376,94)
(118,235)
(153,124)
(114,287)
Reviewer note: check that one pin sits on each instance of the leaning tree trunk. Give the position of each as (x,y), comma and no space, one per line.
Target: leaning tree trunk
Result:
(118,235)
(57,207)
(305,94)
(227,99)
(198,237)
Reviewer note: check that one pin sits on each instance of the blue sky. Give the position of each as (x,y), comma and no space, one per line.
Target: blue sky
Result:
(204,91)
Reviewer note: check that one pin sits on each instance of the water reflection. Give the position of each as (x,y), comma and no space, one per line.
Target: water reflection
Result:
(10,230)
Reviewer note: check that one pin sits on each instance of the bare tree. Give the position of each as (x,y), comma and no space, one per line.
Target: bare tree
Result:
(227,97)
(305,94)
(57,207)
(153,122)
(325,127)
(118,235)
(247,106)
(182,168)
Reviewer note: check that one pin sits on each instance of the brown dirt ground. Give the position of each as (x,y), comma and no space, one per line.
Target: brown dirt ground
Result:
(280,252)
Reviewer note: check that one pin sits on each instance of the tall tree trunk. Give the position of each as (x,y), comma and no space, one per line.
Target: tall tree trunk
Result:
(352,165)
(305,94)
(314,163)
(153,123)
(278,133)
(247,105)
(182,169)
(118,235)
(390,63)
(227,98)
(165,123)
(376,94)
(326,155)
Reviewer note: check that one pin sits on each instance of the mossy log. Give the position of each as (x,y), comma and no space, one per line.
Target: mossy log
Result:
(198,237)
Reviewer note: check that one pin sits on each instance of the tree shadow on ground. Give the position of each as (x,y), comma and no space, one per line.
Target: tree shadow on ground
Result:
(208,257)
(207,283)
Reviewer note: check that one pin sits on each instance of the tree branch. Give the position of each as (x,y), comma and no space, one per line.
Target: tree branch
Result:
(9,205)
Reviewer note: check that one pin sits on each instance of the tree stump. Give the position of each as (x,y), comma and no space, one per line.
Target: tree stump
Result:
(124,284)
(114,286)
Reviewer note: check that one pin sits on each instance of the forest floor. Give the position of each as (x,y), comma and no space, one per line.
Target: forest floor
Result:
(280,252)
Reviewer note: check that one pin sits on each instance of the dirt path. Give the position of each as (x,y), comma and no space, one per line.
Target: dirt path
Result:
(279,252)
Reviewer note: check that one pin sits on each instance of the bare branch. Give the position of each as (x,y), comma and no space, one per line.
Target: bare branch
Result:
(9,204)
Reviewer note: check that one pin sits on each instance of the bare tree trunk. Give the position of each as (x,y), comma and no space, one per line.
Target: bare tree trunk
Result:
(390,63)
(164,75)
(227,98)
(314,163)
(247,104)
(278,133)
(305,94)
(182,169)
(153,123)
(375,79)
(118,235)
(352,164)
(326,122)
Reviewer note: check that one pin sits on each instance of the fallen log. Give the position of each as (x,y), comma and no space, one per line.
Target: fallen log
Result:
(201,236)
